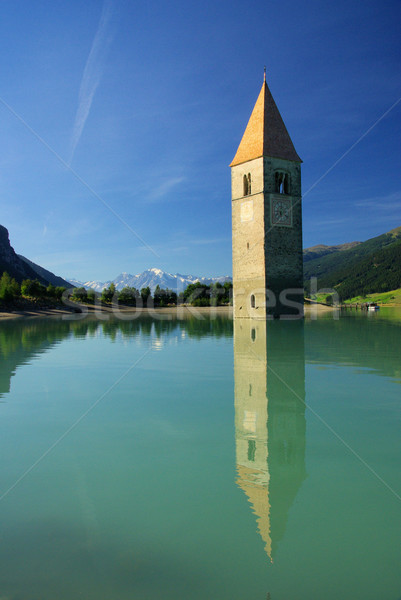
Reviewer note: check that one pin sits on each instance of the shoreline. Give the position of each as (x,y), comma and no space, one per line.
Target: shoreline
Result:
(126,312)
(33,312)
(82,311)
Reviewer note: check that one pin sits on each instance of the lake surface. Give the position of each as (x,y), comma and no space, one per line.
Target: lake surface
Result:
(201,459)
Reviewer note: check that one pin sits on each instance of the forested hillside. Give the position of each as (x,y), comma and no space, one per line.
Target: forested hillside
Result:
(371,266)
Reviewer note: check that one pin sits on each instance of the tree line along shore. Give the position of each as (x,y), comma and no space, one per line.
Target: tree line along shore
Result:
(14,294)
(31,294)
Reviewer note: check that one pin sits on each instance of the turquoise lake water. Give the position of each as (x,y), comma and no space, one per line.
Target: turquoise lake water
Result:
(201,459)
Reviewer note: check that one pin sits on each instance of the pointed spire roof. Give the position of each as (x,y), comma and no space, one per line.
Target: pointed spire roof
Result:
(265,134)
(258,496)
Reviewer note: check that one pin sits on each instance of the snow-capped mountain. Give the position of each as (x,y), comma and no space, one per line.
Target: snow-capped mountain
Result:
(151,278)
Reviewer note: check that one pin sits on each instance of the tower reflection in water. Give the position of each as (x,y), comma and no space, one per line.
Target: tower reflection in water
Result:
(269,367)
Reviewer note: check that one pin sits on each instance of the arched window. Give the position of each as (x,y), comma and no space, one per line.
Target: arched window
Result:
(253,301)
(282,182)
(245,185)
(253,334)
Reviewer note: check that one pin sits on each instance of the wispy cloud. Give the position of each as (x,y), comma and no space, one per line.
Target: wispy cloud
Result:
(92,75)
(387,202)
(328,222)
(165,187)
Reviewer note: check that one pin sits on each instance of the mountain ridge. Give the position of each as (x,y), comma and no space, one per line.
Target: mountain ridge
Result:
(322,250)
(150,278)
(45,274)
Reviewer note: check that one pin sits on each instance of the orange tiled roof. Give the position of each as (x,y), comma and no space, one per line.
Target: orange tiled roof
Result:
(265,134)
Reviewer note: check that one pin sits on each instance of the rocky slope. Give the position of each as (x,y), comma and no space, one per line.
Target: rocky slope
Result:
(45,274)
(12,263)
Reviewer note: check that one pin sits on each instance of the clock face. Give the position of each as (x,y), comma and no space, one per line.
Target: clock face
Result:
(281,213)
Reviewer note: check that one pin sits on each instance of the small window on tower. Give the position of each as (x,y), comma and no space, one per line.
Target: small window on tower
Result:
(249,183)
(282,182)
(286,183)
(252,301)
(245,185)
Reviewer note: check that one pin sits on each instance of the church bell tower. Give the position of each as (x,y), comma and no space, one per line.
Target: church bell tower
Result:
(267,217)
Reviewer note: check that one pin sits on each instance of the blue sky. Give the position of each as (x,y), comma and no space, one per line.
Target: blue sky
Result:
(119,120)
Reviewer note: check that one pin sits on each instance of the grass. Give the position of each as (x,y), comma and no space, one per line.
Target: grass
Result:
(392,298)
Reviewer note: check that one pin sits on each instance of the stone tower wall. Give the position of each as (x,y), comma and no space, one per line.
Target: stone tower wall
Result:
(283,245)
(248,233)
(266,256)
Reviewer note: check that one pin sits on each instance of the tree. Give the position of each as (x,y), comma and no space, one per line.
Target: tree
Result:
(109,294)
(33,288)
(9,288)
(91,296)
(159,297)
(164,297)
(80,295)
(59,292)
(128,296)
(51,291)
(228,292)
(217,294)
(197,294)
(172,297)
(145,295)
